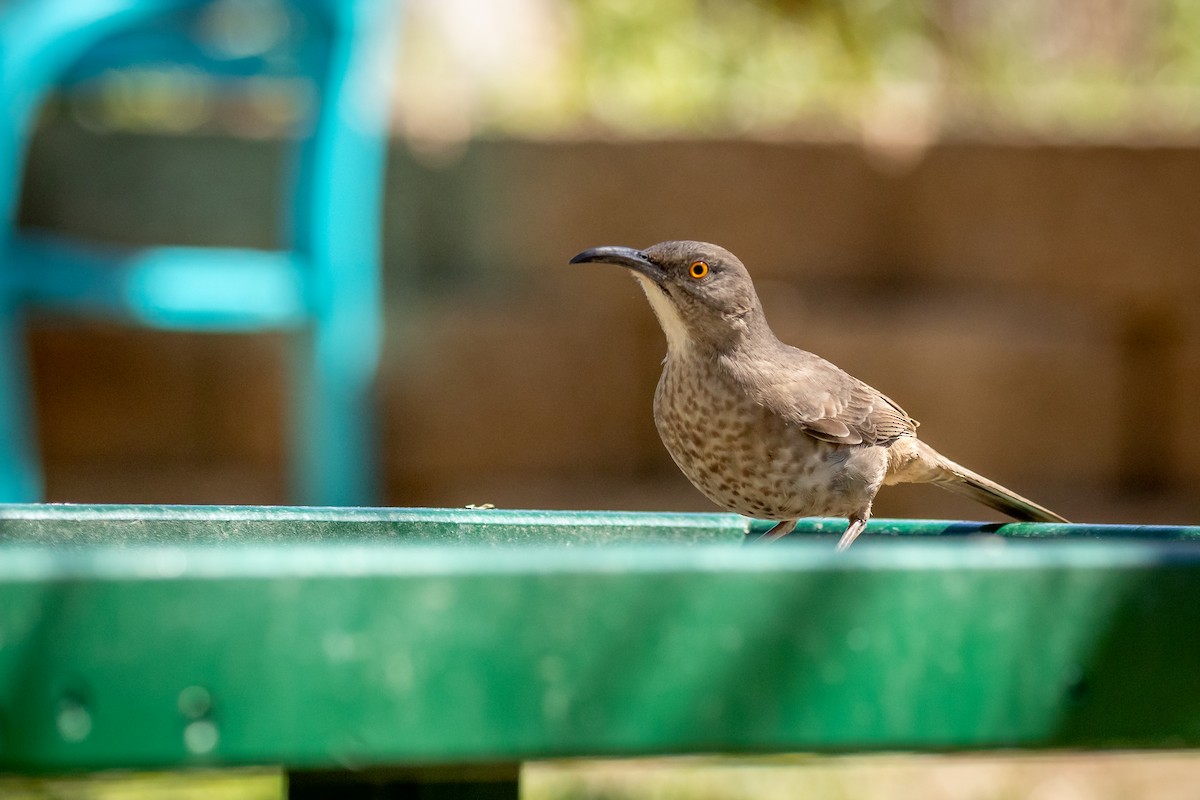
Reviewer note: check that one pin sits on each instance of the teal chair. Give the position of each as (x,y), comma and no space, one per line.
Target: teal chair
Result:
(323,285)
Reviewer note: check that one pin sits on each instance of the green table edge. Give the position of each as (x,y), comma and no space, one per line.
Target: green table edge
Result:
(166,637)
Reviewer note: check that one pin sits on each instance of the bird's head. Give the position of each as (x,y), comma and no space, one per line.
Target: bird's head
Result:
(701,293)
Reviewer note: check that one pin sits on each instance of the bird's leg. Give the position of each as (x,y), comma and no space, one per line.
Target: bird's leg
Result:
(857,524)
(780,530)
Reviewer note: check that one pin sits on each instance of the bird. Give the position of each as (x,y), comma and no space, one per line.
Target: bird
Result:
(767,430)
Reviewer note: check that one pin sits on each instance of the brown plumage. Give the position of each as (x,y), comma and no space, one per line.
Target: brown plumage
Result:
(765,429)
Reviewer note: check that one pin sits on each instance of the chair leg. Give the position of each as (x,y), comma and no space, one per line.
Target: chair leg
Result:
(333,414)
(20,471)
(335,221)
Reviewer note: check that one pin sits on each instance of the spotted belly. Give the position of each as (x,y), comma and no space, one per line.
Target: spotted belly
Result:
(753,463)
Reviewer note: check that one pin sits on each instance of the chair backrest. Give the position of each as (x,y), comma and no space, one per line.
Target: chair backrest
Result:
(329,42)
(235,38)
(46,43)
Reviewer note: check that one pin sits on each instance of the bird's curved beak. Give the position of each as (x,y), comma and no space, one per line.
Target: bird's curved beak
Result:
(626,257)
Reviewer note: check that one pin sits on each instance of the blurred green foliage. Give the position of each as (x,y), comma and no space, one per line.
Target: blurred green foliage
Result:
(897,69)
(1086,66)
(696,64)
(1074,64)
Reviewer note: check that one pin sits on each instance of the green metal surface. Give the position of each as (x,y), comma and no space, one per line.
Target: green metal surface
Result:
(57,525)
(329,639)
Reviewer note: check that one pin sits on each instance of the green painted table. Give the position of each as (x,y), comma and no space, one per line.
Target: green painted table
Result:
(418,646)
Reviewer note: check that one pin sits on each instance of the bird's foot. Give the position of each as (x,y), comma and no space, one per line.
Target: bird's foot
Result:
(780,530)
(856,527)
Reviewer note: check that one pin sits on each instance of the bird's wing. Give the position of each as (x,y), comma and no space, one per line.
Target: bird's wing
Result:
(830,404)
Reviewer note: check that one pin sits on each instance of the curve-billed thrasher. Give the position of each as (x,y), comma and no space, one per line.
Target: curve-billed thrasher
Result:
(764,429)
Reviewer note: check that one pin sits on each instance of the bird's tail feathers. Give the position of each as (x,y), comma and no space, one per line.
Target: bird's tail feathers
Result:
(960,480)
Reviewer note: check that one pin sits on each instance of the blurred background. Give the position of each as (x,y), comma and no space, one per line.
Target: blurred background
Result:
(986,210)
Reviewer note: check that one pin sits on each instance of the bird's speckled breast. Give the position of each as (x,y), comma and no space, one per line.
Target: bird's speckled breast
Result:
(719,437)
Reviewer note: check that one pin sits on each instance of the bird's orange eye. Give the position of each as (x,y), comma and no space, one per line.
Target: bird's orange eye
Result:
(698,269)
